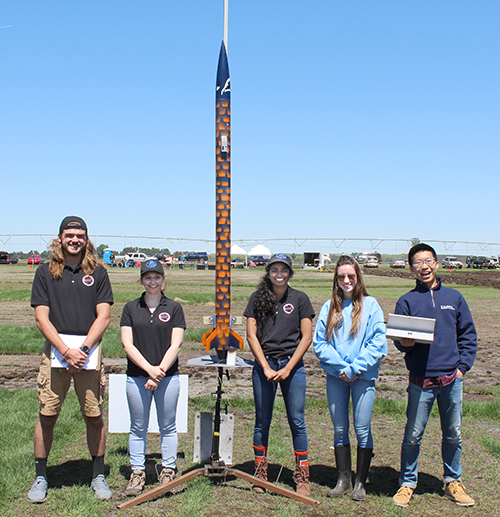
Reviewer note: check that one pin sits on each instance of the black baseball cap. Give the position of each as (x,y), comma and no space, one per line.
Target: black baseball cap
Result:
(72,222)
(151,264)
(281,257)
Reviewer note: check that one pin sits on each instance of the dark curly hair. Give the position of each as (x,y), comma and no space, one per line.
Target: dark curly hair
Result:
(265,299)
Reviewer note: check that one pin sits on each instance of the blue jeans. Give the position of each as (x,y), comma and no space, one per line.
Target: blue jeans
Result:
(139,403)
(420,402)
(293,389)
(338,392)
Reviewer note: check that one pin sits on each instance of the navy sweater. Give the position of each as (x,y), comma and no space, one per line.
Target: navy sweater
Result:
(455,339)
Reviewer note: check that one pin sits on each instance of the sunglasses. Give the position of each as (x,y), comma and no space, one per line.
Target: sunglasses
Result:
(350,277)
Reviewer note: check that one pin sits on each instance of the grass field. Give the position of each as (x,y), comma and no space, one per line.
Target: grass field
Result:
(70,467)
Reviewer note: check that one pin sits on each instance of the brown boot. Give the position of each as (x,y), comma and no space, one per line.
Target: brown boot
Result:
(302,480)
(260,473)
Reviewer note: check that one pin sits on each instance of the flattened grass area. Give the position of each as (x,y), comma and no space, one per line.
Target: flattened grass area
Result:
(70,468)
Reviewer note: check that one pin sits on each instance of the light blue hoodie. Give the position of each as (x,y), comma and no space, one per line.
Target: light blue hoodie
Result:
(358,355)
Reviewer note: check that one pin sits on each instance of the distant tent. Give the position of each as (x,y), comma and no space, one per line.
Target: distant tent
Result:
(237,250)
(261,250)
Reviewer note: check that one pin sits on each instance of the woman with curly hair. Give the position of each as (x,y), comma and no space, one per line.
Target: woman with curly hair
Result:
(279,332)
(350,341)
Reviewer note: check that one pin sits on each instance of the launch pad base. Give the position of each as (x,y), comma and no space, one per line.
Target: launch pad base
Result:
(217,470)
(213,360)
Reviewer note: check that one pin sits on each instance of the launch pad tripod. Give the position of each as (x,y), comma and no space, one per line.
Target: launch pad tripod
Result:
(216,468)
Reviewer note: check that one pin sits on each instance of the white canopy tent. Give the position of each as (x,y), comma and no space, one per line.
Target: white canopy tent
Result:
(238,250)
(260,249)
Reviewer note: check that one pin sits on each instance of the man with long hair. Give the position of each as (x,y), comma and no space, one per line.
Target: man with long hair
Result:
(72,299)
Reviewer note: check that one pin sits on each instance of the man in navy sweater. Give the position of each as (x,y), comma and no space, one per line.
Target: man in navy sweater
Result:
(436,373)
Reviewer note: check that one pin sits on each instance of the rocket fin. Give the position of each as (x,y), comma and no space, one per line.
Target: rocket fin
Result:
(211,339)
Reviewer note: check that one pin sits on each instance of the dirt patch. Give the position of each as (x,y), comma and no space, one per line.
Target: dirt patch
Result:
(484,277)
(21,371)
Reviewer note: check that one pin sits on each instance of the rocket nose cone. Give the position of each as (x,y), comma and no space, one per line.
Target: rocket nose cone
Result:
(222,89)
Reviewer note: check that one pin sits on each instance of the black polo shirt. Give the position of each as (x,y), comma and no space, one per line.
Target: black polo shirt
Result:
(152,332)
(73,298)
(280,334)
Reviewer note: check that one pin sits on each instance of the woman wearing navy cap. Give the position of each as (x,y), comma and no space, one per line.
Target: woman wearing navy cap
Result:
(152,330)
(350,341)
(279,332)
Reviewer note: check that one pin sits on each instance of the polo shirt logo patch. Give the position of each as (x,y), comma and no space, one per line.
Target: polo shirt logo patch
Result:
(164,316)
(449,307)
(88,280)
(288,308)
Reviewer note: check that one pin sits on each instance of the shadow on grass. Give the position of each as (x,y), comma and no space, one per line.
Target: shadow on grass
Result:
(275,473)
(382,481)
(72,473)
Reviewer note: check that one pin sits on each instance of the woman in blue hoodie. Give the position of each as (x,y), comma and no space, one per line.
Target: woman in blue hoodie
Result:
(350,341)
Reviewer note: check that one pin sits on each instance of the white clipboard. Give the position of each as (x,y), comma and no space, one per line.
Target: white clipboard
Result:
(93,362)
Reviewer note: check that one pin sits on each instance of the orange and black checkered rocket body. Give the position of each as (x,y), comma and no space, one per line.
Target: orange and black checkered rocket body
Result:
(222,336)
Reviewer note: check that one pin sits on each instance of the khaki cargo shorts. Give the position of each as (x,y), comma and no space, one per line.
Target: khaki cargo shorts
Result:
(54,383)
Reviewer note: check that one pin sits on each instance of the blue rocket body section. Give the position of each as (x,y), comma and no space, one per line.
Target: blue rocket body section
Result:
(222,336)
(223,89)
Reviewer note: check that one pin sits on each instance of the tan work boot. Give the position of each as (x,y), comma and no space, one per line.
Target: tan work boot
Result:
(136,483)
(456,492)
(261,473)
(302,480)
(403,496)
(166,475)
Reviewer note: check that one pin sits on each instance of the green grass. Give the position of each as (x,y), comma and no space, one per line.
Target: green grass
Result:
(28,340)
(69,466)
(20,340)
(491,445)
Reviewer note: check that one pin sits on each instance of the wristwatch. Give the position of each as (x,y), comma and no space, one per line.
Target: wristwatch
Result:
(85,349)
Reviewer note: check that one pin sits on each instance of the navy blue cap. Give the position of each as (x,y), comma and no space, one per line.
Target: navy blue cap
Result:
(151,264)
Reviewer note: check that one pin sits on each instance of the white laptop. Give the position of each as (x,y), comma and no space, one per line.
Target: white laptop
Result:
(419,329)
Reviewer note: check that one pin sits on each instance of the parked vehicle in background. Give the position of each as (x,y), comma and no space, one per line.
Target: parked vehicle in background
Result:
(136,257)
(258,260)
(195,256)
(4,257)
(398,262)
(371,262)
(451,263)
(316,259)
(363,257)
(477,262)
(493,263)
(14,259)
(35,259)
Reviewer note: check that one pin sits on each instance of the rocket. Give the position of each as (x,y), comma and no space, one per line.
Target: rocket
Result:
(222,336)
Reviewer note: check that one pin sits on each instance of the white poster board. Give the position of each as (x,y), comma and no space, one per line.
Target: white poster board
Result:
(119,417)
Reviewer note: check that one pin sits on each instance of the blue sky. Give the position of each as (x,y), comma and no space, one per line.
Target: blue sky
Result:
(362,118)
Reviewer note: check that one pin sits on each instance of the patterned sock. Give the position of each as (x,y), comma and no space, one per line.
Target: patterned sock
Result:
(302,458)
(260,453)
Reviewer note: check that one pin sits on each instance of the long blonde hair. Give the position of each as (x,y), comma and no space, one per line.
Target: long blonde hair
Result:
(57,260)
(335,312)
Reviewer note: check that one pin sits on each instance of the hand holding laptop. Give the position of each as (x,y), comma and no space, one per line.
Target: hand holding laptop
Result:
(407,342)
